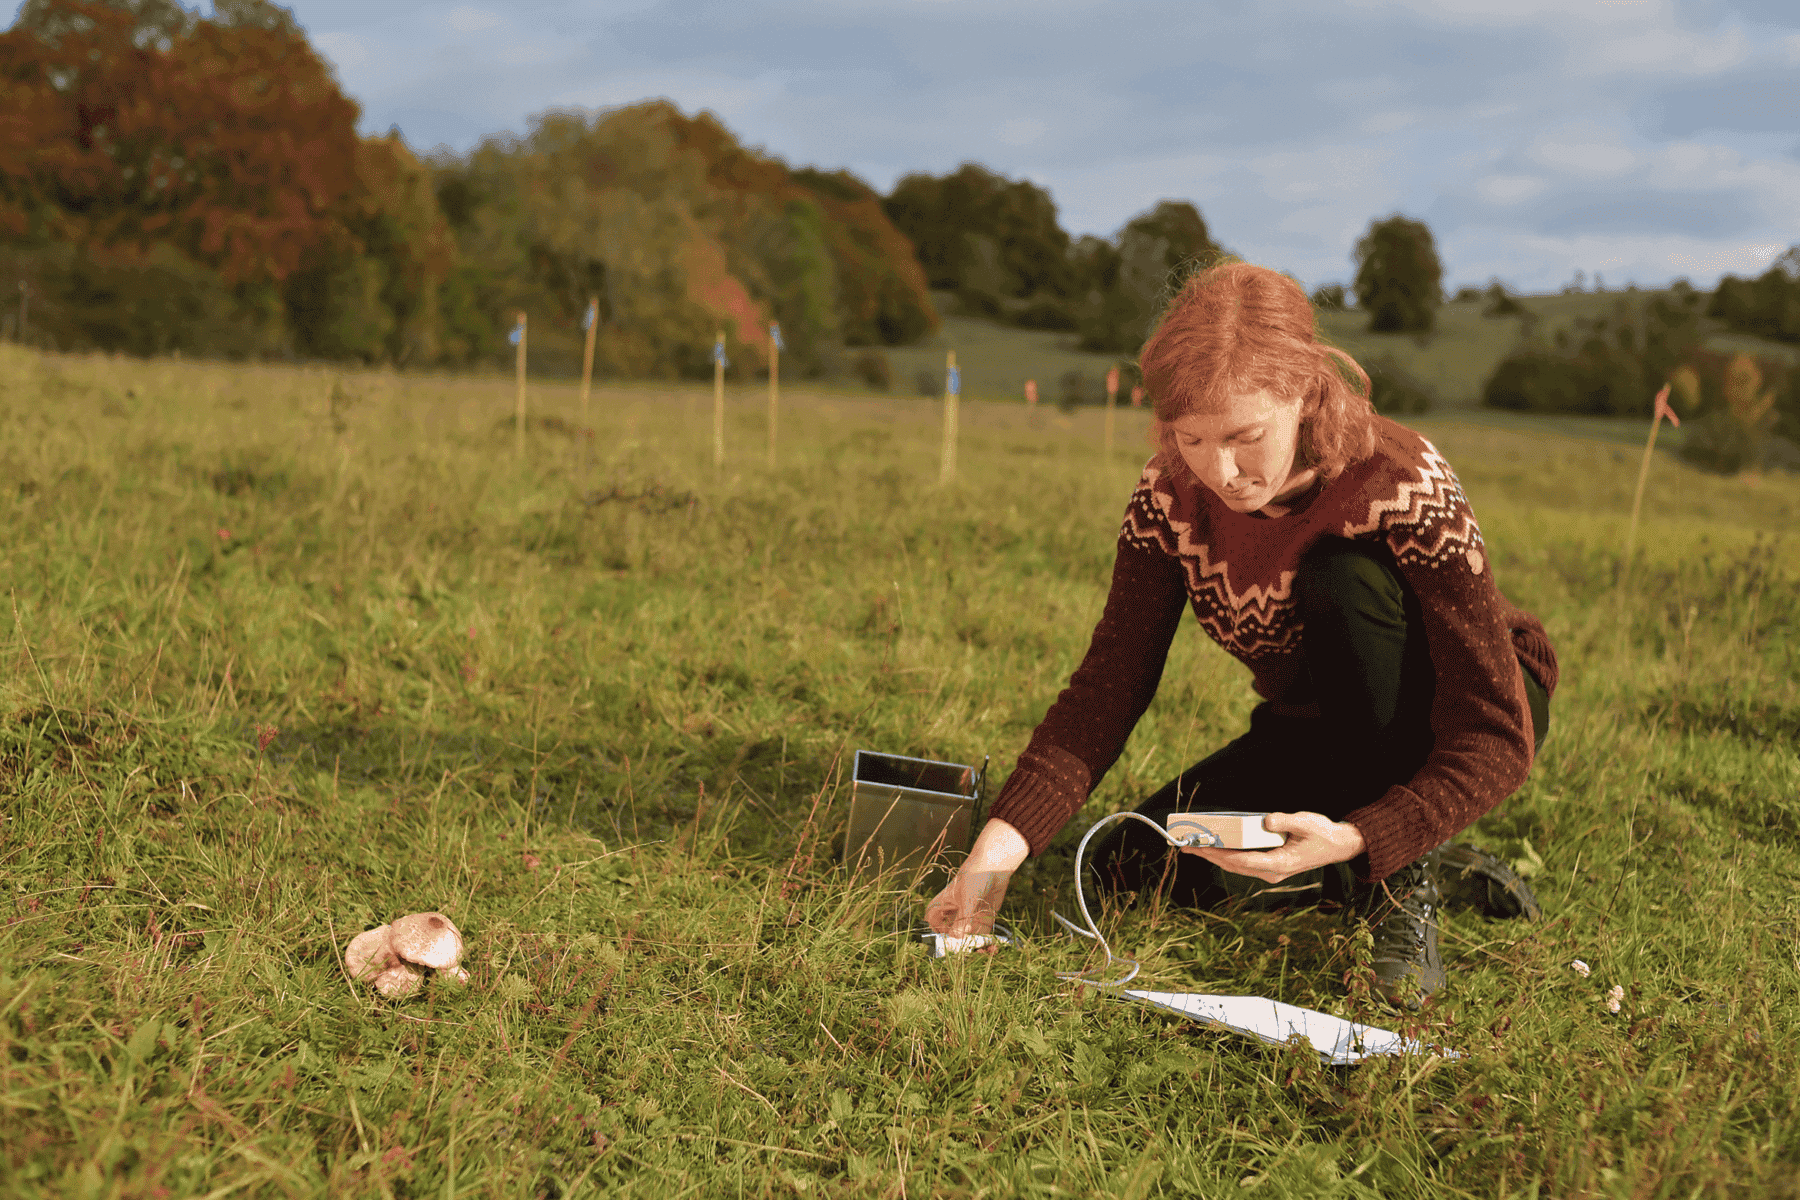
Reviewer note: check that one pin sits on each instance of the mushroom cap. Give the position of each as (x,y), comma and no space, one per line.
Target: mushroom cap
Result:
(369,954)
(458,974)
(428,939)
(398,982)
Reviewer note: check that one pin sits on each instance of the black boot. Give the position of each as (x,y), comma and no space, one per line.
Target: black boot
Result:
(1403,911)
(1472,878)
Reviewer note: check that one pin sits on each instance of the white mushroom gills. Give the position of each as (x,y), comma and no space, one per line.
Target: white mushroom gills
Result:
(398,982)
(427,940)
(369,954)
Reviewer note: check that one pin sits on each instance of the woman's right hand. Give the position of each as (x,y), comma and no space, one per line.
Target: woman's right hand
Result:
(971,900)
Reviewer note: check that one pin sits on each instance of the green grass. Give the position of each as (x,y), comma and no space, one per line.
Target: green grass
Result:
(609,737)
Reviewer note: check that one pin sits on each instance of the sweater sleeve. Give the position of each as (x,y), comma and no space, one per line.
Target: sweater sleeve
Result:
(1480,719)
(1083,733)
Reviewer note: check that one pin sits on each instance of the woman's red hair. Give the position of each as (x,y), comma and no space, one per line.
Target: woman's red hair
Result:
(1236,328)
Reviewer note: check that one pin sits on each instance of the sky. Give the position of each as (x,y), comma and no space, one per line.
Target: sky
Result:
(1633,140)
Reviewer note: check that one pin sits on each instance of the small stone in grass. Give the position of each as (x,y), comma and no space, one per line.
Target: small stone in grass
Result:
(1581,968)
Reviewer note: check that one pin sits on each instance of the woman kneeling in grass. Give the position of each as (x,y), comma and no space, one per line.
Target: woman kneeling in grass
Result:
(1332,551)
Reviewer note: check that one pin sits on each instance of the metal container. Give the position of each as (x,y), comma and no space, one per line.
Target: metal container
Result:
(906,811)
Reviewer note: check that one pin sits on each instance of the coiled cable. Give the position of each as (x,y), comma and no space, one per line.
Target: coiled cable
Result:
(1093,930)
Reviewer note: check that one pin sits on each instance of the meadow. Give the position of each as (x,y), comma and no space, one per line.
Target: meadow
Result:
(294,651)
(1453,361)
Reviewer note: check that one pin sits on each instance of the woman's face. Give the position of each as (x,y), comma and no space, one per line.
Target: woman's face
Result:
(1245,454)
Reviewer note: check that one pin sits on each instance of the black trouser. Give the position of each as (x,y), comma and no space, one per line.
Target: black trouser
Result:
(1371,671)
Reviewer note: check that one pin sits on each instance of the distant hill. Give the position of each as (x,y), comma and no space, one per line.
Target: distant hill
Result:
(995,358)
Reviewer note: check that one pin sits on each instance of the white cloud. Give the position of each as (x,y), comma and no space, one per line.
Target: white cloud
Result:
(345,51)
(1021,131)
(465,18)
(1333,173)
(1726,260)
(1513,12)
(1668,50)
(1387,122)
(1360,89)
(1595,159)
(1509,189)
(1327,223)
(1691,166)
(734,100)
(1291,129)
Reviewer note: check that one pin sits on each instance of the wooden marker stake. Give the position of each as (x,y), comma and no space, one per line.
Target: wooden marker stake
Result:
(952,387)
(774,386)
(1662,410)
(1112,397)
(719,399)
(518,337)
(589,323)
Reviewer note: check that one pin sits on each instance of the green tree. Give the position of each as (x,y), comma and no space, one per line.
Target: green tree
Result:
(1329,297)
(994,241)
(679,230)
(1605,366)
(1398,277)
(1129,283)
(1767,306)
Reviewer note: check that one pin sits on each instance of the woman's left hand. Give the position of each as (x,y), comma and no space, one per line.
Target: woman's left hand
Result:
(1312,841)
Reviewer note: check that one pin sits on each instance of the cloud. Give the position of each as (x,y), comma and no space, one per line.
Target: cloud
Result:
(1665,51)
(343,50)
(466,19)
(1533,136)
(1593,156)
(1508,190)
(1021,131)
(1757,99)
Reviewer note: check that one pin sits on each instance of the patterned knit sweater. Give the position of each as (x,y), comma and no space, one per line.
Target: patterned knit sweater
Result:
(1180,545)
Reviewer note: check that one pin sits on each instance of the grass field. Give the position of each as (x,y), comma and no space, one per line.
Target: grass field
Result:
(597,704)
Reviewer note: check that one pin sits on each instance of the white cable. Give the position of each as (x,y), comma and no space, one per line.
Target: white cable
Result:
(1093,930)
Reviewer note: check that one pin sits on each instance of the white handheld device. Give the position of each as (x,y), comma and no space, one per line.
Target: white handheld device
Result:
(1224,830)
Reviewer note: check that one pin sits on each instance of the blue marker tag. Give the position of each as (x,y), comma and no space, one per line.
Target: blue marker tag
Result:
(719,354)
(954,387)
(518,331)
(587,321)
(775,336)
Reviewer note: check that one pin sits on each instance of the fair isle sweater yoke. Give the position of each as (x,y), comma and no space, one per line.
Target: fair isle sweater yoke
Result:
(1180,545)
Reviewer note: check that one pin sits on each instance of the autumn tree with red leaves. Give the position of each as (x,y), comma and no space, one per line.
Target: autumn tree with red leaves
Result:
(232,142)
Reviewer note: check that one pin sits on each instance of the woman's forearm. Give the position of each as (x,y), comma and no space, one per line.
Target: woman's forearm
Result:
(999,847)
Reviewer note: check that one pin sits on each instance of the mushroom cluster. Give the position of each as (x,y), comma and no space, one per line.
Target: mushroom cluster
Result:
(396,958)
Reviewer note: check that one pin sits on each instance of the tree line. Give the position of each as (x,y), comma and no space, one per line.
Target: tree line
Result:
(171,183)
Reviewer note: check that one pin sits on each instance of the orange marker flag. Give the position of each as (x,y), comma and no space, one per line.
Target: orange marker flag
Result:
(1137,396)
(1663,409)
(1031,392)
(1660,410)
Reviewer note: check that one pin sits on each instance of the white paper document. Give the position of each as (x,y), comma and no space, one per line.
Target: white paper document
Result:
(1339,1042)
